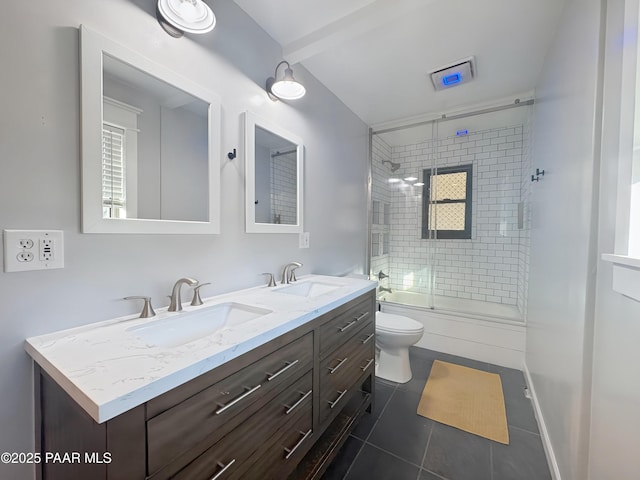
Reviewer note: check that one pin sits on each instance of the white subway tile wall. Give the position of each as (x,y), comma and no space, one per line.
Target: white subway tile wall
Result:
(284,188)
(493,265)
(380,194)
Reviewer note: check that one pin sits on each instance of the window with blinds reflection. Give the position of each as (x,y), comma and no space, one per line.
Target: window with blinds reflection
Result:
(113,172)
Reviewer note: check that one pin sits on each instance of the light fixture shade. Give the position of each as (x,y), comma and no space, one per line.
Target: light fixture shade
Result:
(286,88)
(193,16)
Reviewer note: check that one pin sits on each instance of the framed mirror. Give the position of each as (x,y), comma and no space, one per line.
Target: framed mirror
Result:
(273,177)
(150,145)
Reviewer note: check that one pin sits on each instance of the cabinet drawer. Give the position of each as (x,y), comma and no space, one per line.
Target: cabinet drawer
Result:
(239,452)
(347,362)
(341,371)
(335,332)
(204,418)
(282,455)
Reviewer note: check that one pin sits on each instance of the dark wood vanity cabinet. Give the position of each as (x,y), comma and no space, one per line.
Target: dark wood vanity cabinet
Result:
(280,410)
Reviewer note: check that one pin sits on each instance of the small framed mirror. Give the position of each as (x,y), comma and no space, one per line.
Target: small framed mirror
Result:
(273,179)
(150,145)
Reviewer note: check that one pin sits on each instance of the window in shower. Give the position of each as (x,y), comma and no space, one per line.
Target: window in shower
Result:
(375,245)
(446,202)
(375,213)
(385,243)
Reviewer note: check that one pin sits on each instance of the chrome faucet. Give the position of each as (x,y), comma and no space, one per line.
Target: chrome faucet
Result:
(382,275)
(288,272)
(176,301)
(383,289)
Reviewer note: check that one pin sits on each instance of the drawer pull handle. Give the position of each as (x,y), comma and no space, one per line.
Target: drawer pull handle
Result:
(335,402)
(237,399)
(224,469)
(282,370)
(348,326)
(332,370)
(363,315)
(297,404)
(368,338)
(292,450)
(367,365)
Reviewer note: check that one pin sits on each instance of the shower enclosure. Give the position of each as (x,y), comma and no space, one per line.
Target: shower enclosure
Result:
(449,223)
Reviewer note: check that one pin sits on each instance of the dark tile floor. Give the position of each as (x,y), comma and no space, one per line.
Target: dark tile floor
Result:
(395,443)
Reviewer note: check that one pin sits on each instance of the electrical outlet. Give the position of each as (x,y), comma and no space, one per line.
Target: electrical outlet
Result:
(25,257)
(46,250)
(33,250)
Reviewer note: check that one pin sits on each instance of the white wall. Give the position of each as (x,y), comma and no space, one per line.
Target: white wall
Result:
(40,179)
(615,414)
(562,273)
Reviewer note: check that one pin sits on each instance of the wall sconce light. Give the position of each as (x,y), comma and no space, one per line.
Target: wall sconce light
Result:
(179,16)
(285,88)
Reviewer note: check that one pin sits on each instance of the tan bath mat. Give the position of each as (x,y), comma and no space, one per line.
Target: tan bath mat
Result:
(465,398)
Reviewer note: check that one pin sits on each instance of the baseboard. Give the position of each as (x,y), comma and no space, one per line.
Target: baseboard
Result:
(544,433)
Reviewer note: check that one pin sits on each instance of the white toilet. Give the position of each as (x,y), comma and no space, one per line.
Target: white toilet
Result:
(394,335)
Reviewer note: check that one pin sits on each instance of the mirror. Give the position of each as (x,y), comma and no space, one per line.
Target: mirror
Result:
(274,178)
(150,145)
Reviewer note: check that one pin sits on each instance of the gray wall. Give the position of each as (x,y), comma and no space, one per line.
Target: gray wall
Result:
(562,273)
(40,179)
(184,190)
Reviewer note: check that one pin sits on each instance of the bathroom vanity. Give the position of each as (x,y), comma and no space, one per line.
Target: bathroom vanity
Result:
(272,397)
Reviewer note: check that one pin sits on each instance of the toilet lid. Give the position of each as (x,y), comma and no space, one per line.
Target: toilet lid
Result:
(388,322)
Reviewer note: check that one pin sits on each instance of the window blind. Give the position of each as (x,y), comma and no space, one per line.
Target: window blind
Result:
(113,178)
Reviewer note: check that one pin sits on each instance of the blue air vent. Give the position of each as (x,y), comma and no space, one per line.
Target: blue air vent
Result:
(454,74)
(451,79)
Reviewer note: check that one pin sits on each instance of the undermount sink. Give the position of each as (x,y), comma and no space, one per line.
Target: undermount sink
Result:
(189,326)
(308,289)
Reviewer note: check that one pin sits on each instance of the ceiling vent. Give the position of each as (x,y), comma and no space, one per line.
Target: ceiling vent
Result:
(454,74)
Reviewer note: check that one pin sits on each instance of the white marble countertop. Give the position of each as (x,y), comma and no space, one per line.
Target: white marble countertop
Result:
(107,369)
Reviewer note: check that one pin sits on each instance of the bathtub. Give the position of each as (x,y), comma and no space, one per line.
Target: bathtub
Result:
(487,310)
(488,332)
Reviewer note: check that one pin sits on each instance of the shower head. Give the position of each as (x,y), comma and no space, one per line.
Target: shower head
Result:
(394,166)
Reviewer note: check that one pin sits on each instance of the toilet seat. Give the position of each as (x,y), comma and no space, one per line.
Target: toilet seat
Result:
(390,323)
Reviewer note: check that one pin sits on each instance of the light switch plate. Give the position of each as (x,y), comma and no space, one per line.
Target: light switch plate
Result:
(33,250)
(303,240)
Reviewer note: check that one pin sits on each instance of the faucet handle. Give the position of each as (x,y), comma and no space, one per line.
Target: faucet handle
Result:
(292,272)
(147,310)
(196,294)
(272,282)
